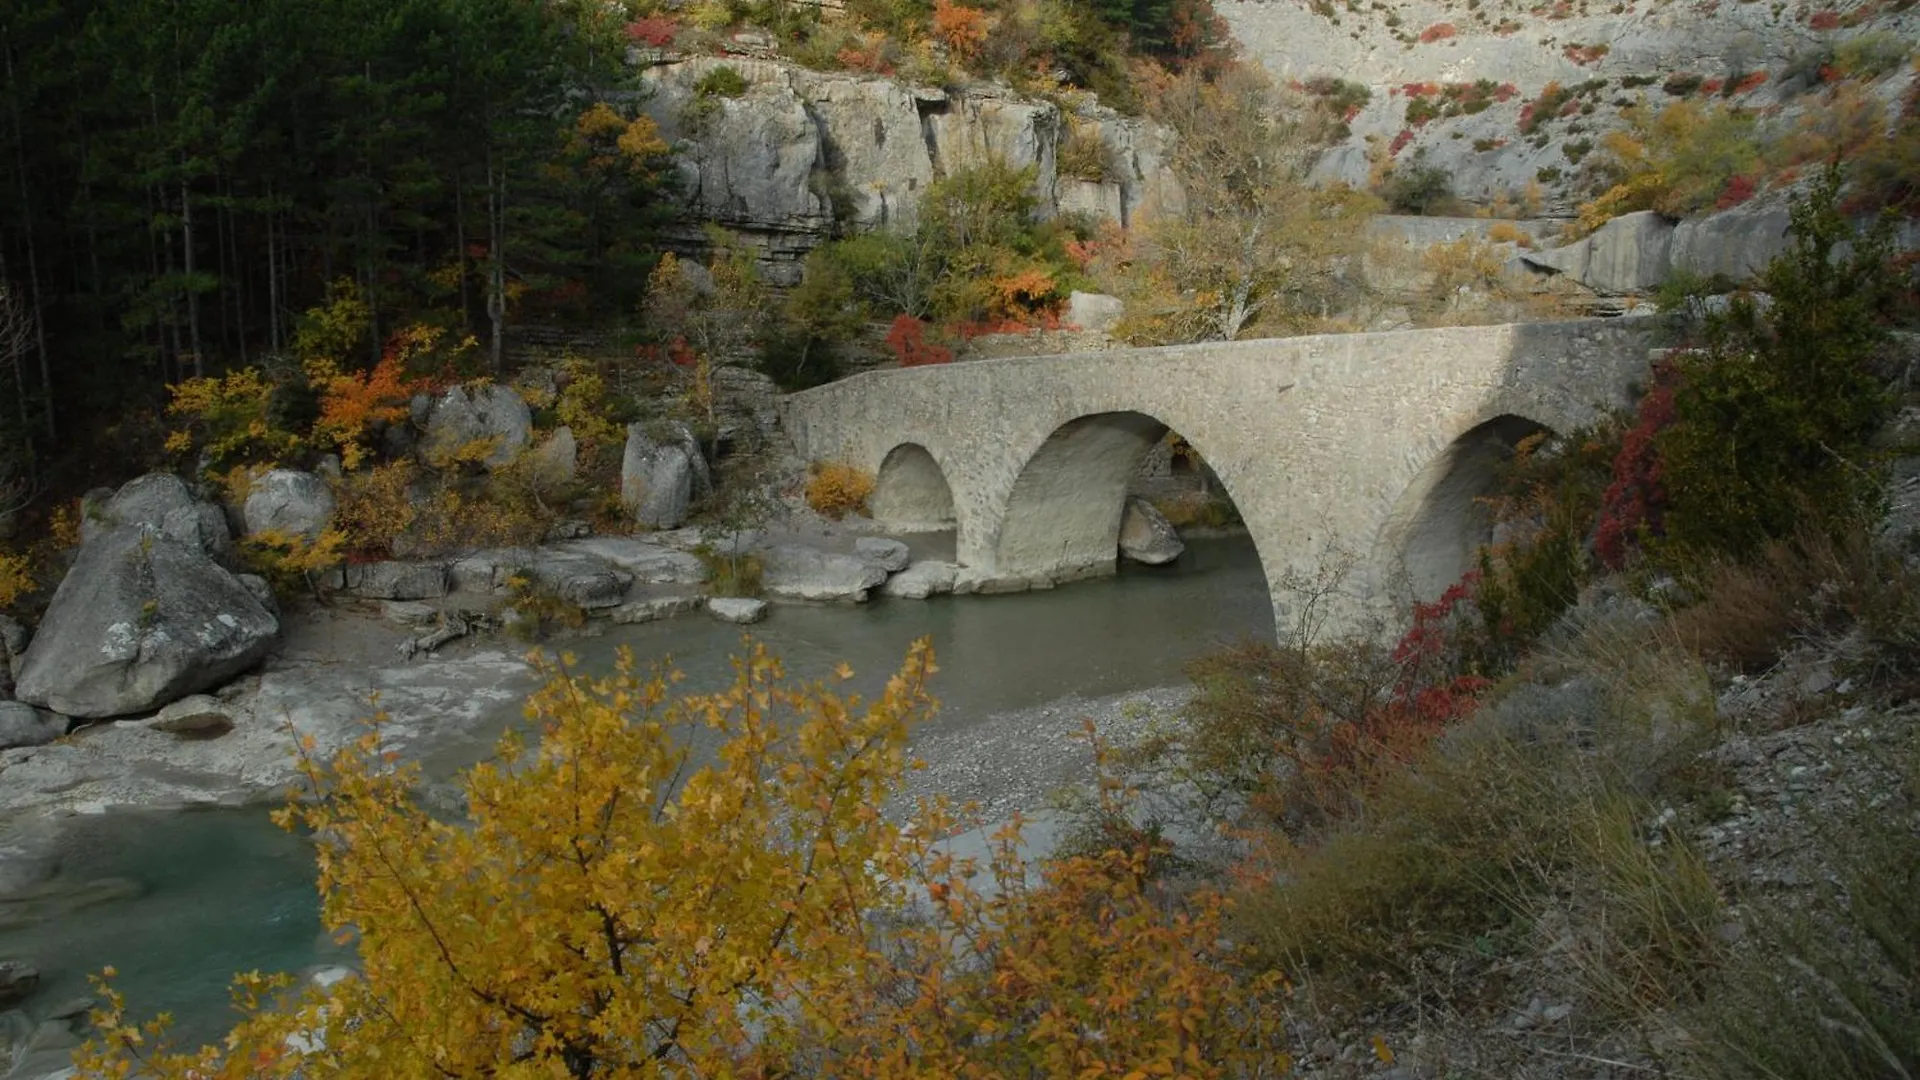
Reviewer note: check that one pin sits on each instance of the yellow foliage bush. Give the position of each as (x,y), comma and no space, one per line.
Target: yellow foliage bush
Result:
(837,489)
(228,418)
(612,905)
(292,561)
(374,507)
(16,579)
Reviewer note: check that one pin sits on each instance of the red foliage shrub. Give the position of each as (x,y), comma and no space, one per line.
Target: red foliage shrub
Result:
(655,30)
(1738,190)
(1826,19)
(1400,142)
(1506,92)
(1750,83)
(1712,86)
(1635,500)
(1417,89)
(907,339)
(1585,54)
(1437,32)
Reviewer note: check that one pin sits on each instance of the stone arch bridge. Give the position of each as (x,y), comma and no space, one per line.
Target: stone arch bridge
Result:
(1370,450)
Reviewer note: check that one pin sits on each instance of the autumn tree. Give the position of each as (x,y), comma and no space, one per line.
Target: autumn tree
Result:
(1249,242)
(616,903)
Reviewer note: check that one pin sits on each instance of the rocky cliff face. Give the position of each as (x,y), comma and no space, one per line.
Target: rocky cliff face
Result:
(800,154)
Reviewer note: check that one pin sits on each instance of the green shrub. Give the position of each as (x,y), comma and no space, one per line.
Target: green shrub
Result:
(723,81)
(1872,54)
(1774,415)
(1416,188)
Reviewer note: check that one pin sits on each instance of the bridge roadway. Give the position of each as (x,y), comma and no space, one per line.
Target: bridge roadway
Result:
(1358,459)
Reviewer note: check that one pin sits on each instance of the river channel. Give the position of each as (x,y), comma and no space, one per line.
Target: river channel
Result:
(221,891)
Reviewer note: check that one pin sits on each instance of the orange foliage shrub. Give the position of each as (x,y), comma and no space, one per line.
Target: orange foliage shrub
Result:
(837,489)
(16,579)
(960,28)
(1437,32)
(907,339)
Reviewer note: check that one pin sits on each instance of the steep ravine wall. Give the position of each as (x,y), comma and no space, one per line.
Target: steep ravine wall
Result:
(802,154)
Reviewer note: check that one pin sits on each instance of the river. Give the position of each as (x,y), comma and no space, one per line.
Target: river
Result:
(222,891)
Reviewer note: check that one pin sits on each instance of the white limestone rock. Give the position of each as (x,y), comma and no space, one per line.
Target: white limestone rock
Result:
(737,609)
(653,608)
(289,502)
(163,502)
(142,620)
(195,717)
(649,563)
(1094,312)
(661,471)
(884,552)
(796,572)
(1146,536)
(922,579)
(493,415)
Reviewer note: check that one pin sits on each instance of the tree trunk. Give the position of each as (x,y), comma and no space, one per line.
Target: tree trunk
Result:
(33,257)
(497,261)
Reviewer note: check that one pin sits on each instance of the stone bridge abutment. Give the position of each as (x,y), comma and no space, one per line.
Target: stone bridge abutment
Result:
(1369,451)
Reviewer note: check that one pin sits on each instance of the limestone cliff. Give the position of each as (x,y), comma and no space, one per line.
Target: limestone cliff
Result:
(798,154)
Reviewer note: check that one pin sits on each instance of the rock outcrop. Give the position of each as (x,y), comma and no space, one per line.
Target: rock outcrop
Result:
(921,580)
(737,609)
(140,621)
(799,154)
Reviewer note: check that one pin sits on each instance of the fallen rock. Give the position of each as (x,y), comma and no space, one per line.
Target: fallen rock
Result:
(795,572)
(140,621)
(409,612)
(649,563)
(261,590)
(888,554)
(288,502)
(653,608)
(17,981)
(921,580)
(1146,536)
(661,471)
(493,419)
(737,609)
(1095,312)
(196,717)
(23,725)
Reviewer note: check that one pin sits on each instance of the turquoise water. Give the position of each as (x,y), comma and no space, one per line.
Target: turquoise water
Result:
(226,891)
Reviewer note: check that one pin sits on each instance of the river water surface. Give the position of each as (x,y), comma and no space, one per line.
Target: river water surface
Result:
(223,891)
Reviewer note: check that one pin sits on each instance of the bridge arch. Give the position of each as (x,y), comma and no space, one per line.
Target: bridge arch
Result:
(1442,519)
(1063,514)
(911,492)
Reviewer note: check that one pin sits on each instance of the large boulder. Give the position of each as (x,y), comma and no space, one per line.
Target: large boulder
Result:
(1146,536)
(740,610)
(141,620)
(13,645)
(1632,254)
(581,580)
(1735,244)
(290,503)
(661,472)
(797,572)
(163,502)
(23,725)
(492,422)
